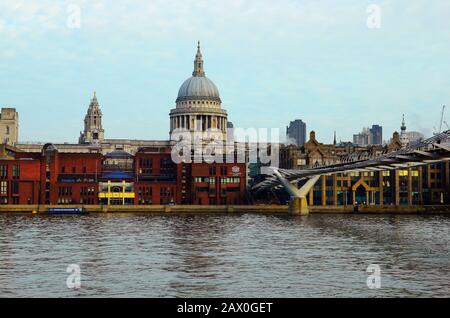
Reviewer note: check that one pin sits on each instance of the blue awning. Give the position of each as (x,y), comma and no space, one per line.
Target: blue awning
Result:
(118,175)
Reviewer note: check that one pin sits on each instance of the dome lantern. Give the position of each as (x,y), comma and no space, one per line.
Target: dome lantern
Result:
(198,63)
(198,87)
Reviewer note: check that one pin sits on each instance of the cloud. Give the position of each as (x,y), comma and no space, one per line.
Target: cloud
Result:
(161,16)
(158,18)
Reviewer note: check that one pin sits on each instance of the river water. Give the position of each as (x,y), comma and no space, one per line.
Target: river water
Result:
(224,255)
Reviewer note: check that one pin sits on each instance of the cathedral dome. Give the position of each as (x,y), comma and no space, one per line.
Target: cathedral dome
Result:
(198,88)
(198,106)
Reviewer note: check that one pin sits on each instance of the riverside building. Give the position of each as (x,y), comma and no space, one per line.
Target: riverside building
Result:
(98,170)
(149,177)
(423,185)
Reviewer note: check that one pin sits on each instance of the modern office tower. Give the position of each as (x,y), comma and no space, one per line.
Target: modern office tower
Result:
(377,134)
(296,132)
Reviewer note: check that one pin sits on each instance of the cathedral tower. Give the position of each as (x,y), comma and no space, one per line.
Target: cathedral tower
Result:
(403,135)
(93,130)
(9,126)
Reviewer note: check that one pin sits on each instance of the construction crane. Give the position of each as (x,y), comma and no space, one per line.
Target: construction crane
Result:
(442,121)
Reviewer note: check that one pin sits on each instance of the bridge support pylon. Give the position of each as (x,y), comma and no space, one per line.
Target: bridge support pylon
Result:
(298,206)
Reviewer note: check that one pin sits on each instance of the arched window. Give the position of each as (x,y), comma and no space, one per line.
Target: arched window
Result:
(7,130)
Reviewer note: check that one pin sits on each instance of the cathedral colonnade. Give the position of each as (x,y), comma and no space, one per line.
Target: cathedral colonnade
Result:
(199,122)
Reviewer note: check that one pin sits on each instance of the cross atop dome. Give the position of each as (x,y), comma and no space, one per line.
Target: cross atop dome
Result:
(198,63)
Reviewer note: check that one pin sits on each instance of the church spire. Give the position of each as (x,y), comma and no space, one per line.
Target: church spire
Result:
(94,105)
(403,128)
(94,99)
(198,63)
(334,142)
(93,130)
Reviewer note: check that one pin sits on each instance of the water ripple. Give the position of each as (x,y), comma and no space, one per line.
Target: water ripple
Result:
(225,256)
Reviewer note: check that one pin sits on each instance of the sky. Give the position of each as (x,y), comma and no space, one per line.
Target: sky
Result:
(273,62)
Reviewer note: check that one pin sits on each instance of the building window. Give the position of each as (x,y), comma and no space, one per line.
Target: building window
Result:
(230,180)
(4,187)
(3,172)
(403,173)
(16,171)
(167,167)
(146,166)
(7,130)
(166,195)
(15,187)
(145,195)
(223,170)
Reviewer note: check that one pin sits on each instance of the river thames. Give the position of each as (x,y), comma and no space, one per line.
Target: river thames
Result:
(211,255)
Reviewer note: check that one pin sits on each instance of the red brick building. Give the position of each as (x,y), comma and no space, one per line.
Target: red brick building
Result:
(148,178)
(69,178)
(158,178)
(19,181)
(217,183)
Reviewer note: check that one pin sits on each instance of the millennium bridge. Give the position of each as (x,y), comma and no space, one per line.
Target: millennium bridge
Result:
(433,150)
